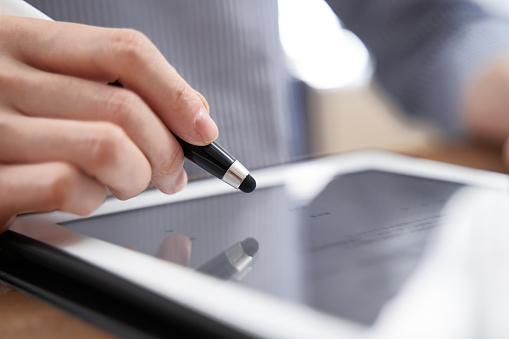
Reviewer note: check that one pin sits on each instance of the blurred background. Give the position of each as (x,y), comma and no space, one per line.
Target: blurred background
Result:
(349,110)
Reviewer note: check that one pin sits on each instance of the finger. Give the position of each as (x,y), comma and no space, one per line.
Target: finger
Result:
(79,99)
(117,55)
(6,221)
(100,149)
(486,101)
(505,153)
(204,101)
(46,187)
(175,248)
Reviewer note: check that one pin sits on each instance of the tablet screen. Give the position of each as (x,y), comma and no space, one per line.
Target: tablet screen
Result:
(347,251)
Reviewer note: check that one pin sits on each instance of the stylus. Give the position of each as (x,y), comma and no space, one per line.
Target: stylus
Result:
(215,160)
(218,162)
(233,262)
(212,158)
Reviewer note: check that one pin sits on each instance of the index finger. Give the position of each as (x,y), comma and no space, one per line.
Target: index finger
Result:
(124,55)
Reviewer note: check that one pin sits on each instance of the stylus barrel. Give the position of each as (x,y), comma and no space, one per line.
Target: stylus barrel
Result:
(232,262)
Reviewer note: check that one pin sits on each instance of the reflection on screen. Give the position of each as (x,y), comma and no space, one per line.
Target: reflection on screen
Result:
(346,252)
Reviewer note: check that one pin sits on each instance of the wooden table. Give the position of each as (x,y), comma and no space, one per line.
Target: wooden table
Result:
(22,316)
(470,154)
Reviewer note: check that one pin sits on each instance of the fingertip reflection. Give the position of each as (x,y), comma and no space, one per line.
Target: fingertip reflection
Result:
(175,248)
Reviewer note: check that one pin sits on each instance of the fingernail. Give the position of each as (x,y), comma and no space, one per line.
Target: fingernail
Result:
(205,127)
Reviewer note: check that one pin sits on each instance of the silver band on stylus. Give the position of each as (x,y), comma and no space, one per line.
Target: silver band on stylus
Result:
(236,174)
(237,257)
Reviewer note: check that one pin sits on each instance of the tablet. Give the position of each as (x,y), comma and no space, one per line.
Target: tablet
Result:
(322,248)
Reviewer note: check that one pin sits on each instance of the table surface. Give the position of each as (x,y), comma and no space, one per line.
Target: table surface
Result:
(23,316)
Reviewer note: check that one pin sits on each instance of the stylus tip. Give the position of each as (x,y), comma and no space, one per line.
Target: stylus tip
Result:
(248,185)
(250,246)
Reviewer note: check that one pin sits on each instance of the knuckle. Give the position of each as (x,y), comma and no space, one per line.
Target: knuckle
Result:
(121,106)
(180,96)
(168,165)
(11,78)
(174,163)
(60,184)
(127,43)
(10,129)
(6,126)
(106,142)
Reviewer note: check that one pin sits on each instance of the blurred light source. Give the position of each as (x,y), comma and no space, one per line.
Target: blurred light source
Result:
(500,7)
(319,51)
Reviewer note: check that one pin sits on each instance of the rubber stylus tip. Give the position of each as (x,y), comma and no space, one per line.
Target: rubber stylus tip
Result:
(248,185)
(250,246)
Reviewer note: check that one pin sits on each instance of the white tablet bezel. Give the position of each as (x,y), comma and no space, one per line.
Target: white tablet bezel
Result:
(237,306)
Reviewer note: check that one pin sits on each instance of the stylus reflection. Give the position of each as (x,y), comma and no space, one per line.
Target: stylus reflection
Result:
(234,263)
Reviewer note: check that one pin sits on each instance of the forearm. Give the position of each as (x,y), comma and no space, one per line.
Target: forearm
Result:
(427,52)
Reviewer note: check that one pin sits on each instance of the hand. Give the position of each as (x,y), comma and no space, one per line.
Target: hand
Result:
(486,105)
(65,134)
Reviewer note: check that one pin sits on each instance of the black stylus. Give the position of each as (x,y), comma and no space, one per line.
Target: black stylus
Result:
(215,160)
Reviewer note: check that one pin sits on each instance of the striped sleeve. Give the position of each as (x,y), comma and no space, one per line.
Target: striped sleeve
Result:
(229,50)
(426,51)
